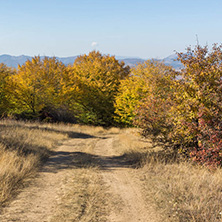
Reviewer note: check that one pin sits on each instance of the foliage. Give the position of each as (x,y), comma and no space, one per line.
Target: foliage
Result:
(197,114)
(38,84)
(209,149)
(94,81)
(97,89)
(131,91)
(185,111)
(5,97)
(148,86)
(152,114)
(48,90)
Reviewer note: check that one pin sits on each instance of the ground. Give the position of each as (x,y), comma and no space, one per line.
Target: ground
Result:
(87,178)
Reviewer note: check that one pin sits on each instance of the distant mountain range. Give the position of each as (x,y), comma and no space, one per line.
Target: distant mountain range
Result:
(14,61)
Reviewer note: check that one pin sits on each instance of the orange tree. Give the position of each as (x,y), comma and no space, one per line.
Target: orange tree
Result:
(197,113)
(94,80)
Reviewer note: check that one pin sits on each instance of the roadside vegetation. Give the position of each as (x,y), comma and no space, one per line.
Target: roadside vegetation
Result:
(179,190)
(182,109)
(23,148)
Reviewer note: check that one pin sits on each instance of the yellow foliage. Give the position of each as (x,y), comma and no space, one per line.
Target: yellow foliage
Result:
(5,96)
(38,83)
(94,81)
(146,79)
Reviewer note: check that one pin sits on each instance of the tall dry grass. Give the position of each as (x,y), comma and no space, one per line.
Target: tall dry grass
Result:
(23,147)
(179,190)
(183,192)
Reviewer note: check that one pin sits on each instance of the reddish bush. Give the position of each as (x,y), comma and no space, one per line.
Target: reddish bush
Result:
(209,147)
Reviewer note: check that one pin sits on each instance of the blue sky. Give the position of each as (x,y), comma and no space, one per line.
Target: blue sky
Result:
(138,28)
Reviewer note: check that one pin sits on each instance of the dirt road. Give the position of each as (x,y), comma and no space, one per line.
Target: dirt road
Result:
(86,179)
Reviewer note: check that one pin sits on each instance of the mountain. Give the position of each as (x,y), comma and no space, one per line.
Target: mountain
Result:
(132,61)
(13,61)
(67,60)
(172,61)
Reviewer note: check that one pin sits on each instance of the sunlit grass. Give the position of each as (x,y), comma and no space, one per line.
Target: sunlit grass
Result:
(179,190)
(23,147)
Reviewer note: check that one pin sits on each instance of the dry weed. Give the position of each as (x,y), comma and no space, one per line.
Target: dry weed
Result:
(23,146)
(180,190)
(184,192)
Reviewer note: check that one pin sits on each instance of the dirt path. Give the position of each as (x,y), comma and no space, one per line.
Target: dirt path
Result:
(123,183)
(42,199)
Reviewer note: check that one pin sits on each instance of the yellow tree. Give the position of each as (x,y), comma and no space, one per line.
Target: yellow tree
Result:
(131,91)
(39,83)
(96,79)
(147,80)
(5,97)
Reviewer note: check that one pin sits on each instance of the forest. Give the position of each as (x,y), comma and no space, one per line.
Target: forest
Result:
(181,108)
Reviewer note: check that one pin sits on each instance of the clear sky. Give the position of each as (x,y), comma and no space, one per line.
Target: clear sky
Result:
(138,28)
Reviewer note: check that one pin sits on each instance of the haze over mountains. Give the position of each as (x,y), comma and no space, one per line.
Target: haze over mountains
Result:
(13,61)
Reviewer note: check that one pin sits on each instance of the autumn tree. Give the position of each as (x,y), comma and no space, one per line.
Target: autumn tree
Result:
(38,84)
(149,82)
(131,91)
(6,103)
(94,81)
(197,113)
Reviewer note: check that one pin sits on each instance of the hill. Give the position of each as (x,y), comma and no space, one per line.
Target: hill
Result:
(14,61)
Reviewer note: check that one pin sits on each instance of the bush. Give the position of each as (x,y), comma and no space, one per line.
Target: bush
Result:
(197,113)
(186,112)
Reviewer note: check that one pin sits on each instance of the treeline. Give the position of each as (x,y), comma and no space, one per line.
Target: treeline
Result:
(46,89)
(182,108)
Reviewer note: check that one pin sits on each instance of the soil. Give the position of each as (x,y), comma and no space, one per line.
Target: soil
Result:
(40,201)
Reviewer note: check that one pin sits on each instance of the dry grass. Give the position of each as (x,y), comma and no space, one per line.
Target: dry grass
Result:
(179,190)
(22,150)
(86,200)
(133,146)
(183,192)
(23,147)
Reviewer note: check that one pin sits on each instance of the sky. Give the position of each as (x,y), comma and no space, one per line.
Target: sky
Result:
(133,28)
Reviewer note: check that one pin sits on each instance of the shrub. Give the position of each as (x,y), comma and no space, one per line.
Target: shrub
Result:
(197,113)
